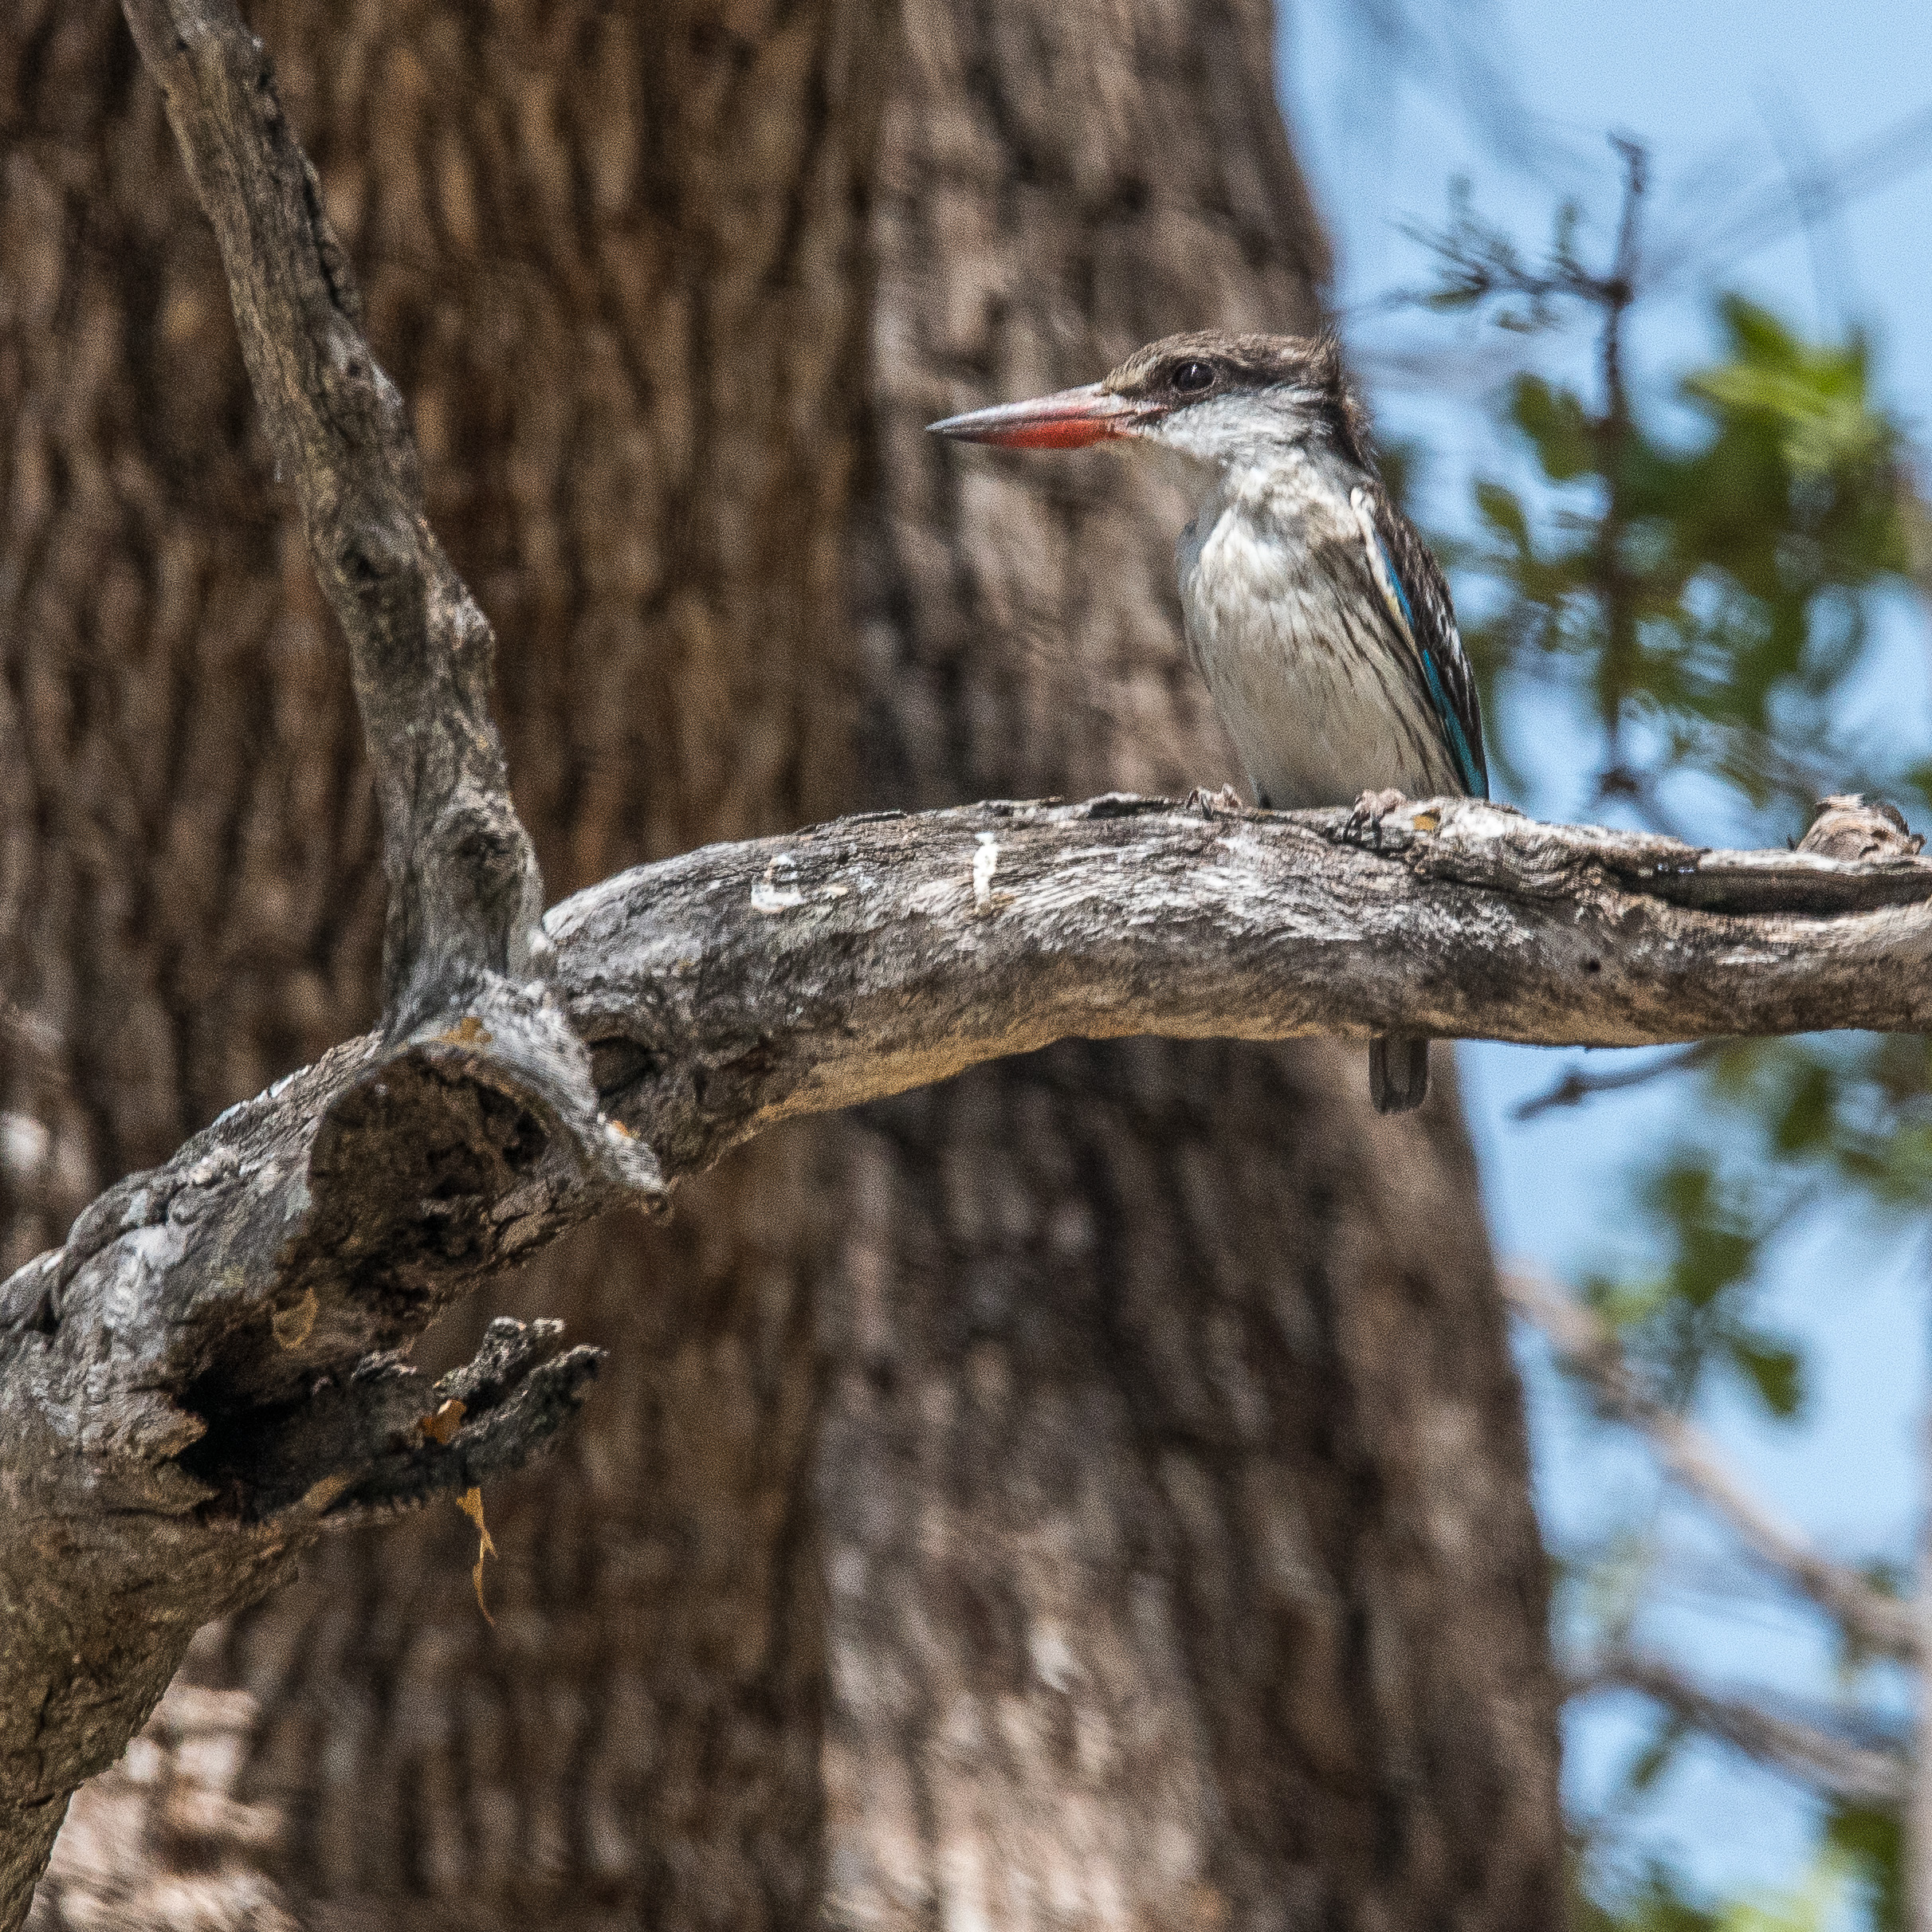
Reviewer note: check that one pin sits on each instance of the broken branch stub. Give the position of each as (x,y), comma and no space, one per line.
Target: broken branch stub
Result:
(201,1379)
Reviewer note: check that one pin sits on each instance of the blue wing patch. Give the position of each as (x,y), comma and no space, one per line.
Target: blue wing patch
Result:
(1475,779)
(1395,583)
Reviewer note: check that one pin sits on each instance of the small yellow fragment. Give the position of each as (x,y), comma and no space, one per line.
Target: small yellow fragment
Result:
(318,1496)
(1427,821)
(470,1502)
(292,1326)
(441,1427)
(468,1031)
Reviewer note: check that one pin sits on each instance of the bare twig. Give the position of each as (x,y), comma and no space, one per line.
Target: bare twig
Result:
(1576,1085)
(1616,586)
(1770,213)
(1804,1748)
(1879,1622)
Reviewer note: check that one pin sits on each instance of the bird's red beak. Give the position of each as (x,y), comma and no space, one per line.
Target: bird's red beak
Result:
(1069,419)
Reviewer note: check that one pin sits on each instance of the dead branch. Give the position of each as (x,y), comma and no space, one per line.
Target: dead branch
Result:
(1879,1623)
(206,1375)
(198,1358)
(166,1430)
(739,984)
(1807,1748)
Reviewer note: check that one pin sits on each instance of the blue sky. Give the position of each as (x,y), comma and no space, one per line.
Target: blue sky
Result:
(1731,99)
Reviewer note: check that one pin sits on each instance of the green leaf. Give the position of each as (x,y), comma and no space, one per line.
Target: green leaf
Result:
(1501,510)
(1775,1370)
(1872,1846)
(1558,424)
(1808,1114)
(1657,1757)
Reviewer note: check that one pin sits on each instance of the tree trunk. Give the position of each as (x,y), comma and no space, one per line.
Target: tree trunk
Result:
(1092,1492)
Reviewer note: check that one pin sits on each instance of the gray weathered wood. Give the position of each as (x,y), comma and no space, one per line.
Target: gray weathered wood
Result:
(206,1373)
(738,985)
(465,893)
(205,1369)
(202,1365)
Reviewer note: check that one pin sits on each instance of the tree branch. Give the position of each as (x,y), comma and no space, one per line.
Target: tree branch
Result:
(1817,1757)
(464,895)
(201,1375)
(739,984)
(464,930)
(1579,1083)
(1879,1623)
(185,1364)
(204,1375)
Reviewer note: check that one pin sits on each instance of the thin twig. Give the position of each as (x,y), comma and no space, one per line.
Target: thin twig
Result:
(1803,1748)
(1615,587)
(1879,1623)
(1577,1086)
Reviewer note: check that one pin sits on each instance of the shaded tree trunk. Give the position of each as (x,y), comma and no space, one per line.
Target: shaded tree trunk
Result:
(1092,1492)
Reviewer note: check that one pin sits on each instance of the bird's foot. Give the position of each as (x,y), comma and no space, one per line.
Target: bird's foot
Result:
(1208,802)
(1371,809)
(1398,1072)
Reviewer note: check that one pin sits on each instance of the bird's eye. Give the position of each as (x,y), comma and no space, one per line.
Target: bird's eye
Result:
(1192,378)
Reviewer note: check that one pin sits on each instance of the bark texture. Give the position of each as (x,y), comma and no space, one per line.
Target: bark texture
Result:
(610,258)
(1159,1594)
(1114,1510)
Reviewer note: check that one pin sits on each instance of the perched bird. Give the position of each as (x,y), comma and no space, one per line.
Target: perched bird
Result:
(1316,614)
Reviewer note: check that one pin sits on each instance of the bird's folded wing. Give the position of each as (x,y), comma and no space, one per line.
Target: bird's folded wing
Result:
(1413,590)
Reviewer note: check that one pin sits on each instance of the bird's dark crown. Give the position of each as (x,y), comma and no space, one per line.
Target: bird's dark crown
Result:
(1180,370)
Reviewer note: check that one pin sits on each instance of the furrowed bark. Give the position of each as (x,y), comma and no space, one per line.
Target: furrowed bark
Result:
(204,1371)
(218,1332)
(464,952)
(464,893)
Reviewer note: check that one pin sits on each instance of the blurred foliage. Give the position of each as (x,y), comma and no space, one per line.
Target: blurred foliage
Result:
(1694,568)
(1712,593)
(1867,1842)
(1693,1311)
(1655,1903)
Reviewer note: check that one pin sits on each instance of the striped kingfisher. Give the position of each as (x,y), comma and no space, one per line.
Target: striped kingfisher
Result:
(1315,612)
